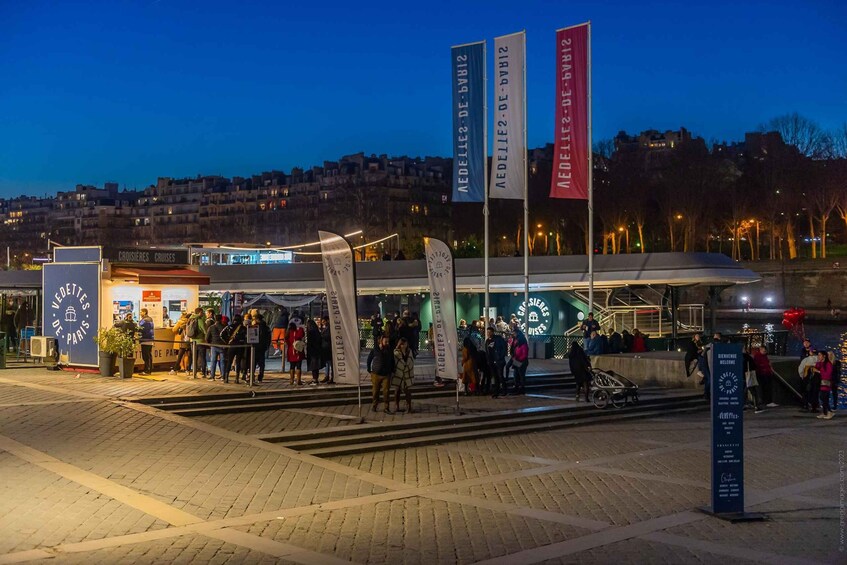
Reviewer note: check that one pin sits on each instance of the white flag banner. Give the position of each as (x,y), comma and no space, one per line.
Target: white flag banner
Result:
(442,282)
(508,161)
(340,279)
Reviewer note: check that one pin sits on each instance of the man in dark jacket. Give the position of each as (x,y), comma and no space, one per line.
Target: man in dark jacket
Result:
(381,368)
(495,350)
(234,335)
(214,340)
(692,352)
(326,351)
(260,350)
(145,324)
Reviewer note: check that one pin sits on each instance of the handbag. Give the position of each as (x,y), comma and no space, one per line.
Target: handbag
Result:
(751,379)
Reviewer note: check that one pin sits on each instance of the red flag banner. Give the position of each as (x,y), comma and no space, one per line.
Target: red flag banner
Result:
(570,164)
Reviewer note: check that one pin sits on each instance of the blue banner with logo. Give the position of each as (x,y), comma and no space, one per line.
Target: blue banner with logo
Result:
(727,391)
(72,310)
(468,68)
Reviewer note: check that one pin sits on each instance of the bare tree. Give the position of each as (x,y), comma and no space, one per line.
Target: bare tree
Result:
(801,132)
(838,142)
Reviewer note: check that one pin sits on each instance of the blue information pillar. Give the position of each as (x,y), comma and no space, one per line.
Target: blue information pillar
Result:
(727,384)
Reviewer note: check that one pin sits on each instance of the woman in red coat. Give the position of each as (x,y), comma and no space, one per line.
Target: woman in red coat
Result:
(639,344)
(295,342)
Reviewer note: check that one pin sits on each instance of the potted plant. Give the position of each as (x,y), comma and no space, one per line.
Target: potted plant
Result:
(106,342)
(125,346)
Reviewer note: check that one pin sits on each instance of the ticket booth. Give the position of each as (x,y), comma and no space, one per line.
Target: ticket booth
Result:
(90,288)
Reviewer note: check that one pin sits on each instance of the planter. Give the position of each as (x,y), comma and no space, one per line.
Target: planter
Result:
(126,365)
(107,364)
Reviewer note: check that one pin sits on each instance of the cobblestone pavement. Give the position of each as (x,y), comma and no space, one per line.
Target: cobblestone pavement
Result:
(89,478)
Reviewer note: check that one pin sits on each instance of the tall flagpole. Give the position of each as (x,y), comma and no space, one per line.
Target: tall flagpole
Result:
(525,204)
(485,211)
(590,188)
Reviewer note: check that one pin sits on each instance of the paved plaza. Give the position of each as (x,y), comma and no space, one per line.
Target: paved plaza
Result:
(88,476)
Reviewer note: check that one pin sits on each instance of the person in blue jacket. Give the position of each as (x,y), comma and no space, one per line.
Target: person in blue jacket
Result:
(145,326)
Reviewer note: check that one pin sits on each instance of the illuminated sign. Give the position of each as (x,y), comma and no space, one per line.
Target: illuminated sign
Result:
(537,314)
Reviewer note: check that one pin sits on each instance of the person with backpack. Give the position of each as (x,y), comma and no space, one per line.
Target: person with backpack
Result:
(215,341)
(195,331)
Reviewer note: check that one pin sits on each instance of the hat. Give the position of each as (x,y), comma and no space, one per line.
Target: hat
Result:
(299,345)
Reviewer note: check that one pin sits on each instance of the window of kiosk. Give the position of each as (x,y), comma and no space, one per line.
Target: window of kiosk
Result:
(164,304)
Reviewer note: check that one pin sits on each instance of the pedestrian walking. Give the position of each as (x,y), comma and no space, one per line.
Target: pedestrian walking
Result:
(764,375)
(751,381)
(326,351)
(235,336)
(181,344)
(520,360)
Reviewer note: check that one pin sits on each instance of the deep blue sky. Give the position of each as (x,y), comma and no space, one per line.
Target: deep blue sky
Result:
(128,91)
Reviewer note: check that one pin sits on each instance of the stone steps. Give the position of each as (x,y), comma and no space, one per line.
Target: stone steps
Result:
(396,435)
(342,395)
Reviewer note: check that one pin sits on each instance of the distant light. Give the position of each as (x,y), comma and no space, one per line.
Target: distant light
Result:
(580,316)
(768,299)
(744,299)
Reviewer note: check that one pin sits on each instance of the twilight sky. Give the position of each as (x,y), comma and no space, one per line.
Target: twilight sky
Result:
(127,91)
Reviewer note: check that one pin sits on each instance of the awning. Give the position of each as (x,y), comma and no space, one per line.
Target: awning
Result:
(161,276)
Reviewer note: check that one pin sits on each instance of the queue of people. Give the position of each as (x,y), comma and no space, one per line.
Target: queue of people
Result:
(487,362)
(820,377)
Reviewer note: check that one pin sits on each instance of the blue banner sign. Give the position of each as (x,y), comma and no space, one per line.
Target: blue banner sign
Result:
(727,428)
(76,254)
(468,68)
(72,310)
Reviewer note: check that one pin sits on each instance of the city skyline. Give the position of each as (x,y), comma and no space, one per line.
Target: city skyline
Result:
(128,94)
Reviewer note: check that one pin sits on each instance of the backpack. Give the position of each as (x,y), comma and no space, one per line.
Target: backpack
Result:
(192,330)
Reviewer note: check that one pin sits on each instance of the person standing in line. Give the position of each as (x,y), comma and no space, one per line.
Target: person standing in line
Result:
(807,349)
(404,374)
(520,360)
(234,335)
(260,350)
(146,326)
(836,378)
(580,366)
(415,325)
(806,370)
(824,371)
(181,344)
(593,345)
(295,351)
(376,326)
(195,331)
(495,349)
(326,351)
(381,368)
(314,350)
(764,375)
(214,340)
(639,344)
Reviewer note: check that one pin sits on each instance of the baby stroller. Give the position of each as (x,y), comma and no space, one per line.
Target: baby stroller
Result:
(611,387)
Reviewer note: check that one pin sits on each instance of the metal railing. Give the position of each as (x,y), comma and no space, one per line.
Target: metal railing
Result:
(556,346)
